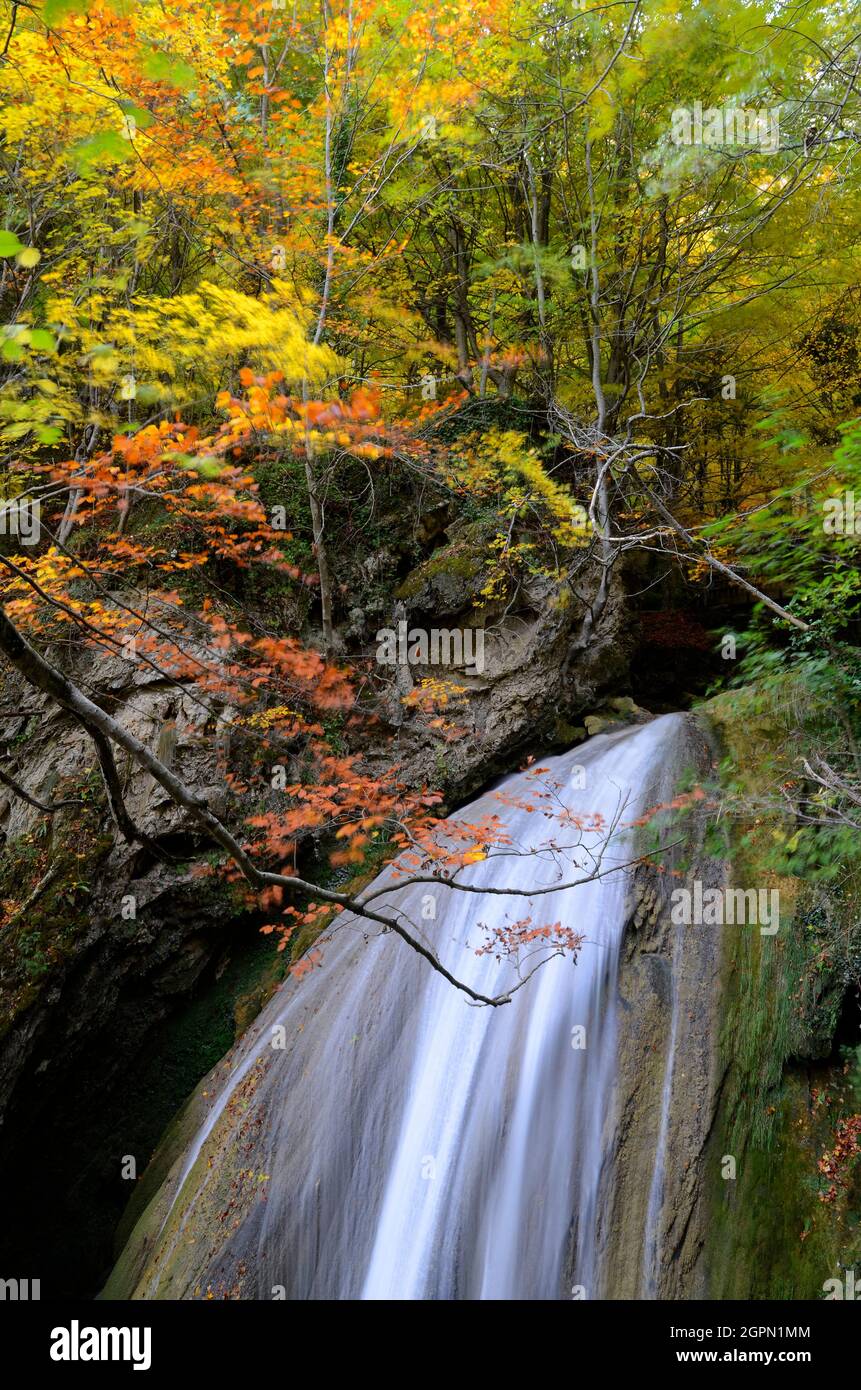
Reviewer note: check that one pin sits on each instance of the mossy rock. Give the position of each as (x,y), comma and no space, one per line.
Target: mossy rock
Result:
(615,714)
(624,705)
(771,1237)
(600,723)
(568,734)
(445,582)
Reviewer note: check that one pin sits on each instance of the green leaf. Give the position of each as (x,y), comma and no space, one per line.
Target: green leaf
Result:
(206,465)
(148,393)
(55,11)
(105,147)
(142,118)
(49,434)
(166,67)
(9,244)
(42,340)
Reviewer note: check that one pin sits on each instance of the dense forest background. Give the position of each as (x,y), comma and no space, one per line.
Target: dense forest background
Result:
(529,319)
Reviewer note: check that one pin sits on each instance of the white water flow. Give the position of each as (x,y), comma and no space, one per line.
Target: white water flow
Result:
(411,1144)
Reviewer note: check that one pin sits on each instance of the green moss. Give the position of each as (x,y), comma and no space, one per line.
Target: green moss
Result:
(568,734)
(460,560)
(770,1235)
(191,1042)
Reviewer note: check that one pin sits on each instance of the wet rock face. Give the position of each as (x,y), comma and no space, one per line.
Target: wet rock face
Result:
(668,1084)
(529,692)
(121,915)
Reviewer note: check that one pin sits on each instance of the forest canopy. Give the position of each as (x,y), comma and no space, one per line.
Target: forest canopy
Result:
(583,274)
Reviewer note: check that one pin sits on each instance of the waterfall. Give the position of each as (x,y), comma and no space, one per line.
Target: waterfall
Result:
(405,1143)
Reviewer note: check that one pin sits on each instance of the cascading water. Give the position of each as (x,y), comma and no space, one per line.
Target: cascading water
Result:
(401,1142)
